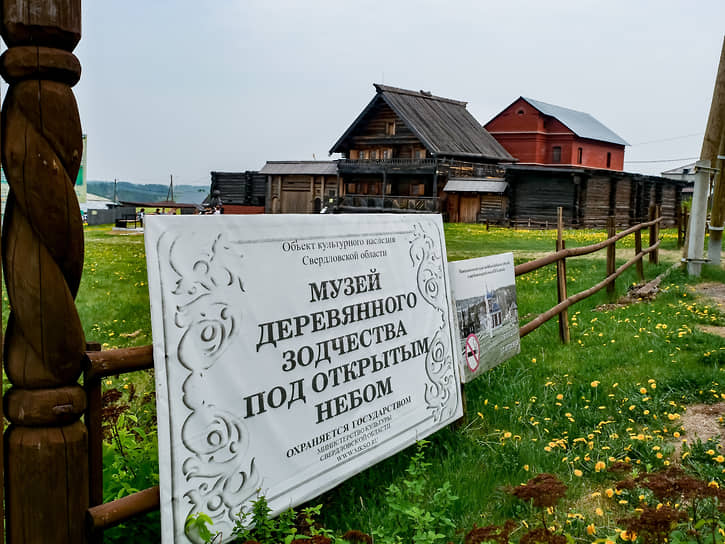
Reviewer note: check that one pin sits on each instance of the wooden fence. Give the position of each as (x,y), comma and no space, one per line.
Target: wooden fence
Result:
(53,463)
(101,364)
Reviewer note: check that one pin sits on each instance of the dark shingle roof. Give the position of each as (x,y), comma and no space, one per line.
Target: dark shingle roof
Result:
(580,123)
(444,126)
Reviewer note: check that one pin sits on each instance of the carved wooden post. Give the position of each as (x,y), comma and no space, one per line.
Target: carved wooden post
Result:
(46,455)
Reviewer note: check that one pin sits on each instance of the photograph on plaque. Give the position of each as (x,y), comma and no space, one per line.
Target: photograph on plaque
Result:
(484,293)
(292,352)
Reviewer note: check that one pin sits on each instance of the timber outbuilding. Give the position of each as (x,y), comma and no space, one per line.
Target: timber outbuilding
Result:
(237,192)
(588,196)
(300,186)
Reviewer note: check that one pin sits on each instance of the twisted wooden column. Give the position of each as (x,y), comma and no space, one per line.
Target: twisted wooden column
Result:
(46,444)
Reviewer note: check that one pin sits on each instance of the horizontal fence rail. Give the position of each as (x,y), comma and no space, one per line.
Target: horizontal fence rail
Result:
(110,514)
(559,257)
(100,364)
(530,266)
(564,304)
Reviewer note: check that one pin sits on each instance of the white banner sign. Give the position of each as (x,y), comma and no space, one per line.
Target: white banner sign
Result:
(291,352)
(484,291)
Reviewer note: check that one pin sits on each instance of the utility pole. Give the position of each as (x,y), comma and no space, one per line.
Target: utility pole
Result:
(713,148)
(170,192)
(698,218)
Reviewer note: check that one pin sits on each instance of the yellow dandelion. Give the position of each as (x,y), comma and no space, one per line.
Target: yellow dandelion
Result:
(578,473)
(599,466)
(599,512)
(595,383)
(609,492)
(591,529)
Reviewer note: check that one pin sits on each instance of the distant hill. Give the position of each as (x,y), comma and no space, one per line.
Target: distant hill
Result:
(149,192)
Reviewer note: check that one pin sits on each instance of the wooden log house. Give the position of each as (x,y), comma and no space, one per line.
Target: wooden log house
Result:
(588,196)
(405,146)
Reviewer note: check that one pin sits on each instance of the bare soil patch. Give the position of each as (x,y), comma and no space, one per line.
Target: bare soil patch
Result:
(702,421)
(714,291)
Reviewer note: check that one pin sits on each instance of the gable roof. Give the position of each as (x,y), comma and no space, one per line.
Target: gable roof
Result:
(580,123)
(444,126)
(316,168)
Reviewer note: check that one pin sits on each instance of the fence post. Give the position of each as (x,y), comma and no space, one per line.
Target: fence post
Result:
(637,251)
(46,449)
(656,252)
(652,233)
(561,279)
(611,254)
(94,424)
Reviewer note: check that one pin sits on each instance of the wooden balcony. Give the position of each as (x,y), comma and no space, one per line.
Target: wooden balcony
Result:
(388,203)
(453,168)
(390,166)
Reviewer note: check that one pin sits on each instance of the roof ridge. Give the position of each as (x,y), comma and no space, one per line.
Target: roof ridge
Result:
(528,99)
(419,94)
(299,162)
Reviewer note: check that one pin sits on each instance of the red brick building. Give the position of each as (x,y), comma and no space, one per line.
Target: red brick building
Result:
(543,134)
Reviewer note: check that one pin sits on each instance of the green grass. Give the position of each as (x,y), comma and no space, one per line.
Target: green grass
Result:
(113,299)
(616,392)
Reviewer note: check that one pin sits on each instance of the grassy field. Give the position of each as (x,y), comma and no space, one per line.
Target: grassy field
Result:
(612,398)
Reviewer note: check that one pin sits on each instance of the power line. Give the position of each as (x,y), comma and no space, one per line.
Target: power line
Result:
(669,139)
(667,160)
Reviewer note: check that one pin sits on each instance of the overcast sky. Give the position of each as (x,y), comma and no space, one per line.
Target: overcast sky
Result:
(185,87)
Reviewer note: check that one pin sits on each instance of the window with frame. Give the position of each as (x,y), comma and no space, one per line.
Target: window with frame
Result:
(390,128)
(556,154)
(362,155)
(609,159)
(373,154)
(579,154)
(420,153)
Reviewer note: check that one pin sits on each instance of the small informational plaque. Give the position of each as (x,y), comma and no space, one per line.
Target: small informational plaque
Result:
(292,352)
(484,291)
